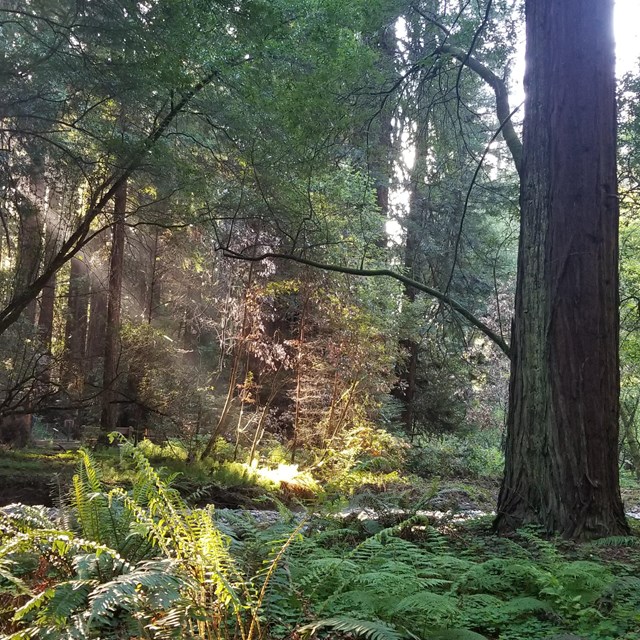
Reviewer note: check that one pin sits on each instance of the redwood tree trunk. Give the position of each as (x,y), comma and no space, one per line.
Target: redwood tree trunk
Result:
(45,326)
(97,318)
(76,325)
(414,262)
(108,419)
(48,297)
(561,450)
(29,246)
(45,317)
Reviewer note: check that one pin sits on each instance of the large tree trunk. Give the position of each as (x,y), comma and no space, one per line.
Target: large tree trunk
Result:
(109,415)
(561,449)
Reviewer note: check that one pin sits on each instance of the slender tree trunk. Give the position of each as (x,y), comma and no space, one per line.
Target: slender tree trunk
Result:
(382,161)
(45,328)
(45,317)
(48,296)
(628,413)
(97,319)
(299,369)
(414,259)
(153,276)
(264,413)
(561,449)
(109,415)
(233,376)
(76,325)
(31,210)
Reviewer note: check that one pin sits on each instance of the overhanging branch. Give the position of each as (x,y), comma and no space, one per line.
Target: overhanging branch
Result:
(503,109)
(387,273)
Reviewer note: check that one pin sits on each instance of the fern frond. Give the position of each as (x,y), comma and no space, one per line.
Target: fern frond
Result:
(517,606)
(88,471)
(430,605)
(154,582)
(372,630)
(33,604)
(331,571)
(68,598)
(583,575)
(456,634)
(6,574)
(25,517)
(450,565)
(355,601)
(502,576)
(617,541)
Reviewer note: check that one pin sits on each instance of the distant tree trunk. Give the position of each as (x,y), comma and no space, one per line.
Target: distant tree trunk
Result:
(383,151)
(48,296)
(109,415)
(239,350)
(153,276)
(562,434)
(628,414)
(31,211)
(45,317)
(45,328)
(98,269)
(299,371)
(97,318)
(414,259)
(76,325)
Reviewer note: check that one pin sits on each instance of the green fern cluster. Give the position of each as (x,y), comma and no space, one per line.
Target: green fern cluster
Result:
(143,564)
(389,588)
(125,565)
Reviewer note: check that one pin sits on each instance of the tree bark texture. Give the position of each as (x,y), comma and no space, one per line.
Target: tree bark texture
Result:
(414,259)
(108,419)
(48,296)
(30,210)
(561,449)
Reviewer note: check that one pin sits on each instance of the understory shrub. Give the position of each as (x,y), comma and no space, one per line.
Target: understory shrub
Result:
(476,455)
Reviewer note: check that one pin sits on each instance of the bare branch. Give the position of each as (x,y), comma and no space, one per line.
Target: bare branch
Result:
(78,238)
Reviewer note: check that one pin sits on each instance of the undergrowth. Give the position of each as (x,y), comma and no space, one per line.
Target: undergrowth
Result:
(144,564)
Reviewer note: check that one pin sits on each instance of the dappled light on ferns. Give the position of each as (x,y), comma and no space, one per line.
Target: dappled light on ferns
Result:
(144,564)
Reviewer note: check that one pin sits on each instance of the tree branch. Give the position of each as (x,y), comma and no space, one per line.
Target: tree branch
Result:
(78,238)
(503,109)
(388,273)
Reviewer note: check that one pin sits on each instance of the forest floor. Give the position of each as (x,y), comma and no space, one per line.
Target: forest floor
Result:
(41,476)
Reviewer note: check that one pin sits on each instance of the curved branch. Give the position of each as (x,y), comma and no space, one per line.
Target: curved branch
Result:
(388,273)
(503,109)
(468,197)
